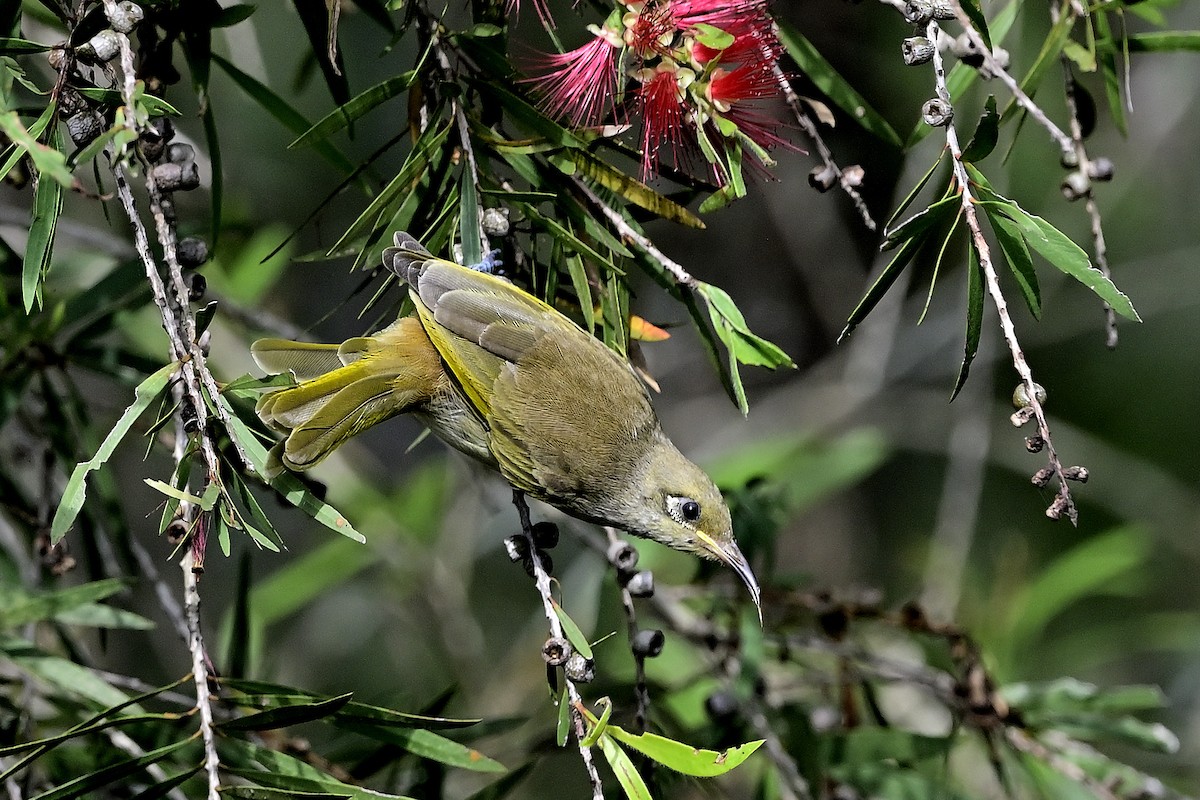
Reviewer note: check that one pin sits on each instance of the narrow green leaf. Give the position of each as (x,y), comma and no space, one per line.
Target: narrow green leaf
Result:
(281,771)
(96,615)
(881,285)
(232,15)
(920,223)
(318,20)
(974,317)
(975,14)
(164,788)
(73,495)
(282,717)
(747,347)
(916,190)
(1164,42)
(20,47)
(175,493)
(342,116)
(265,793)
(683,757)
(529,117)
(627,775)
(1110,71)
(566,236)
(418,159)
(563,728)
(283,112)
(287,782)
(152,105)
(1066,256)
(834,86)
(23,609)
(634,191)
(1008,236)
(427,744)
(468,219)
(1050,50)
(937,266)
(47,205)
(583,290)
(81,786)
(378,715)
(49,161)
(572,632)
(64,675)
(987,133)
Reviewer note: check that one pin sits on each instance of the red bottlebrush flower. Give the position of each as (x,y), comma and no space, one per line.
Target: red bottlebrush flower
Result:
(514,7)
(748,81)
(736,17)
(580,85)
(660,101)
(648,30)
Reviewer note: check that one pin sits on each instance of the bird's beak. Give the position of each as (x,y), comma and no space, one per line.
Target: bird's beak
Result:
(732,557)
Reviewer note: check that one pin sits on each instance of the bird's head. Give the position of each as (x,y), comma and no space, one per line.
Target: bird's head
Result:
(679,506)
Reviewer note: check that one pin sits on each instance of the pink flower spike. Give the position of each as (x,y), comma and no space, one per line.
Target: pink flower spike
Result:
(580,85)
(661,104)
(513,7)
(748,81)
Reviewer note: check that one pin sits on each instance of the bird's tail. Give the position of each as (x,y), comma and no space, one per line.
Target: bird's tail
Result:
(343,389)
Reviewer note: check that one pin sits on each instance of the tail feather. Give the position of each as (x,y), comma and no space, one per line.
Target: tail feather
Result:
(354,408)
(344,389)
(305,360)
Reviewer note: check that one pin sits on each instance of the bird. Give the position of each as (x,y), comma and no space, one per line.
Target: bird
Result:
(513,383)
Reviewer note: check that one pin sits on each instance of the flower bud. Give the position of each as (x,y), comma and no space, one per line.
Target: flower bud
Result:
(545,535)
(1042,477)
(495,221)
(101,48)
(916,50)
(556,651)
(822,178)
(1080,474)
(1100,169)
(192,252)
(83,127)
(622,555)
(641,584)
(197,286)
(580,669)
(937,113)
(648,643)
(1035,443)
(176,177)
(125,16)
(1020,396)
(1075,186)
(722,706)
(181,153)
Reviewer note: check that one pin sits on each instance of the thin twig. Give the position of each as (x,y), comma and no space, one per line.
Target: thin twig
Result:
(793,786)
(191,604)
(1023,100)
(1021,741)
(542,581)
(1100,249)
(627,231)
(122,741)
(1063,503)
(641,690)
(811,131)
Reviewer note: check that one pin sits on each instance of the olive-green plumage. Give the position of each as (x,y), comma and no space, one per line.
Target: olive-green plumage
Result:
(508,380)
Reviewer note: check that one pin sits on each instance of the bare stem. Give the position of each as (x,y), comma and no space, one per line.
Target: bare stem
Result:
(191,604)
(1023,100)
(811,131)
(1099,248)
(542,581)
(627,231)
(641,690)
(993,285)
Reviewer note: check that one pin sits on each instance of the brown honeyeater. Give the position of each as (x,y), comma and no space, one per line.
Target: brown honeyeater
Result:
(503,377)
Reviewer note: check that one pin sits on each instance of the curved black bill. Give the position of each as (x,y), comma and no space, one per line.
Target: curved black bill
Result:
(732,557)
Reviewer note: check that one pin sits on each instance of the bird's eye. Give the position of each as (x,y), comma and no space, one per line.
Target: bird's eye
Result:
(683,509)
